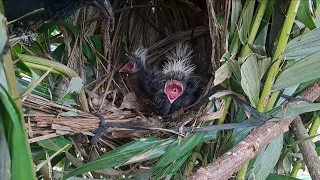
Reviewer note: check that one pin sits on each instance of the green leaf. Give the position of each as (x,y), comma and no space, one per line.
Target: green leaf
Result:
(250,79)
(262,36)
(287,91)
(304,15)
(245,21)
(318,151)
(276,25)
(16,138)
(5,160)
(36,80)
(210,135)
(98,43)
(140,150)
(39,152)
(304,70)
(267,159)
(263,66)
(237,135)
(235,68)
(75,85)
(235,14)
(55,143)
(303,46)
(86,49)
(266,16)
(221,74)
(57,53)
(293,111)
(3,33)
(178,149)
(280,177)
(173,167)
(72,29)
(68,114)
(146,174)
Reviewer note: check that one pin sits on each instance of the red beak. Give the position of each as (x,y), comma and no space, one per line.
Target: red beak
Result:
(129,67)
(173,89)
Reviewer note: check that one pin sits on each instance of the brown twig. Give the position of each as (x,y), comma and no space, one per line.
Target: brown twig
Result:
(307,148)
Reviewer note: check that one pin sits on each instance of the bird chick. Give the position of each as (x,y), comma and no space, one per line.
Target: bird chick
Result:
(173,87)
(178,82)
(146,74)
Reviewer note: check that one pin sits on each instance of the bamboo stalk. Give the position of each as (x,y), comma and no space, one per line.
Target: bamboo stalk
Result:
(245,51)
(284,36)
(255,27)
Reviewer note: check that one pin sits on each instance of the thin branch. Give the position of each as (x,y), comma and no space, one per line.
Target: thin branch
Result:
(307,148)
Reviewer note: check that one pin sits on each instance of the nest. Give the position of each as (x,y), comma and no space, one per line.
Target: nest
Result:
(118,97)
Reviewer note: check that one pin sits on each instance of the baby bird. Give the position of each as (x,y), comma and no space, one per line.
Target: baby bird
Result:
(178,84)
(146,74)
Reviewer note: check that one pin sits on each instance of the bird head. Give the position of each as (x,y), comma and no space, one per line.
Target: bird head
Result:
(136,61)
(177,70)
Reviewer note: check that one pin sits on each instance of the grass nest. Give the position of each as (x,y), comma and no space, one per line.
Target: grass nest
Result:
(93,47)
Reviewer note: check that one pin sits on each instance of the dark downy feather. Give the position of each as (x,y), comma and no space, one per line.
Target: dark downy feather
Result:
(146,74)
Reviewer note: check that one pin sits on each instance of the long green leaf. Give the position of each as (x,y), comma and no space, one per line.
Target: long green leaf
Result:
(3,33)
(295,110)
(245,21)
(304,70)
(250,79)
(280,177)
(86,49)
(267,159)
(55,143)
(304,15)
(172,168)
(16,138)
(5,160)
(179,149)
(235,14)
(303,46)
(140,150)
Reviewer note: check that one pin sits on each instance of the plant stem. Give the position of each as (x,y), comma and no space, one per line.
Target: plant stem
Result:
(12,80)
(243,172)
(314,126)
(225,111)
(255,27)
(296,168)
(284,36)
(245,51)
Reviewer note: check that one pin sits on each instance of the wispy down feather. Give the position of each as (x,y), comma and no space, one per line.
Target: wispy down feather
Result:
(141,53)
(182,52)
(179,60)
